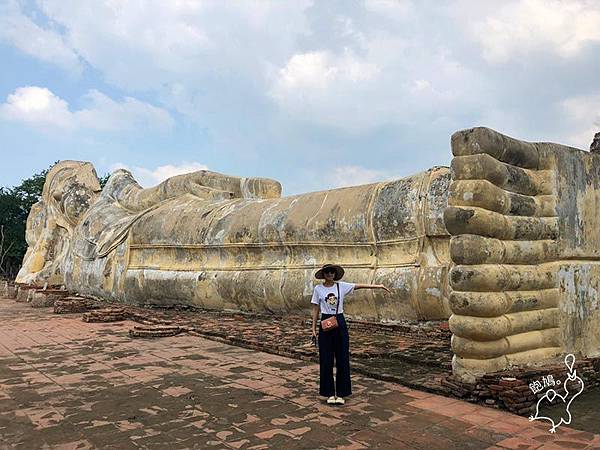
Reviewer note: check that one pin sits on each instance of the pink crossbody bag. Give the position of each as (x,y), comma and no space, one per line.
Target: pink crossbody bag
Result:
(331,323)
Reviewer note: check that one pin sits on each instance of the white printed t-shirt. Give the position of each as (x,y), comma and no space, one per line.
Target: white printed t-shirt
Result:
(327,296)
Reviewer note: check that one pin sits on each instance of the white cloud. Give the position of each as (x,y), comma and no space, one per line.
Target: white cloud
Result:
(151,177)
(259,83)
(422,85)
(343,176)
(156,43)
(351,68)
(37,106)
(318,70)
(583,114)
(359,93)
(107,114)
(44,44)
(517,28)
(398,9)
(325,88)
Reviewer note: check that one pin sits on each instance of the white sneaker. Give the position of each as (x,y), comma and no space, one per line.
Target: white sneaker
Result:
(331,400)
(339,400)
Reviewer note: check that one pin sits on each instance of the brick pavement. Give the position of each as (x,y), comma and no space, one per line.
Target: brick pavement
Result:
(415,354)
(65,383)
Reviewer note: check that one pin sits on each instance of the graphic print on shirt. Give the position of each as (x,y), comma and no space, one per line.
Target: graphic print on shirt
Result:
(331,299)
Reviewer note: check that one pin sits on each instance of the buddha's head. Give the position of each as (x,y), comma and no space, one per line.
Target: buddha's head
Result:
(71,187)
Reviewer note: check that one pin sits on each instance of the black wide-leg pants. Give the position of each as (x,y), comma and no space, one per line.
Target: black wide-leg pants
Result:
(334,344)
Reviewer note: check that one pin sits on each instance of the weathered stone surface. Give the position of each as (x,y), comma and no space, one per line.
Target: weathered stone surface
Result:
(105,315)
(7,289)
(11,291)
(226,242)
(154,331)
(41,298)
(22,292)
(70,305)
(510,246)
(70,188)
(510,389)
(525,241)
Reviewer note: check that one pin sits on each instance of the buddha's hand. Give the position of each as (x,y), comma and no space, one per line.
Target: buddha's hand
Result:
(196,184)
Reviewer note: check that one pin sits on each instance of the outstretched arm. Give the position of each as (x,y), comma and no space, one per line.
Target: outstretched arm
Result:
(371,286)
(203,184)
(133,197)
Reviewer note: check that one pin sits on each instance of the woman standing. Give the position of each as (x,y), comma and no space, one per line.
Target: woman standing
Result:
(328,298)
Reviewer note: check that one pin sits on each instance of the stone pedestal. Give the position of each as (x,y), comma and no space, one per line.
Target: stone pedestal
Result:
(23,293)
(40,298)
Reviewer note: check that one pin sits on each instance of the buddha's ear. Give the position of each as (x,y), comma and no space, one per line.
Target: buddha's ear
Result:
(57,196)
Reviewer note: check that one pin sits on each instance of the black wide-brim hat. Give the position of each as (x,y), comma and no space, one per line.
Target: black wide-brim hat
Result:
(339,272)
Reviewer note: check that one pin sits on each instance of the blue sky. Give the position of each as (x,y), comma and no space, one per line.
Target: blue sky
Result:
(316,94)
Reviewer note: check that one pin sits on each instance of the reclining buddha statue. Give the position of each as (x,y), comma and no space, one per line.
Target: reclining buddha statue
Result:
(220,241)
(505,244)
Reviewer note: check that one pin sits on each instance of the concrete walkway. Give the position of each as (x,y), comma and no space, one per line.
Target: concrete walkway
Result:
(69,384)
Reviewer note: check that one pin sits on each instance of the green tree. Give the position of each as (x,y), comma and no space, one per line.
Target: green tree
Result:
(15,204)
(103,179)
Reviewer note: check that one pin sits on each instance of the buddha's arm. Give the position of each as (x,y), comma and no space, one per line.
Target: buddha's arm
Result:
(203,184)
(129,194)
(176,187)
(240,187)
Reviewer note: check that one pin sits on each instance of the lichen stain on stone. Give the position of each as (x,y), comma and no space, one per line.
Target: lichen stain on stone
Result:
(433,291)
(187,240)
(228,242)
